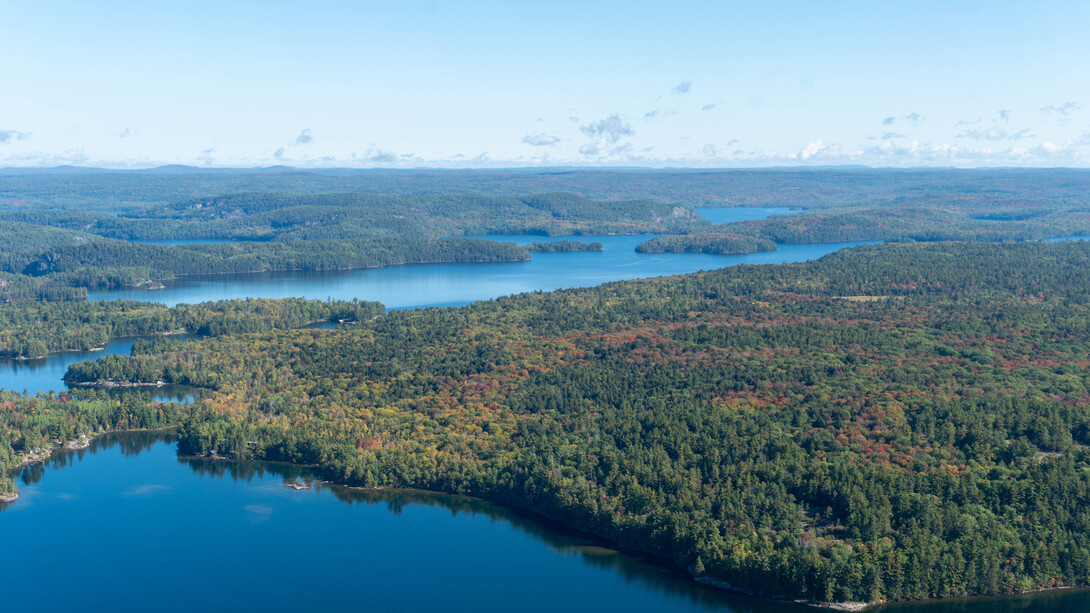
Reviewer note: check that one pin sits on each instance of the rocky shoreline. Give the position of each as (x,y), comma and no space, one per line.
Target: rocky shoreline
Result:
(41,455)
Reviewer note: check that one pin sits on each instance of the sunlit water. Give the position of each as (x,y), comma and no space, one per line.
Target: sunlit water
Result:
(128,525)
(427,285)
(44,374)
(423,285)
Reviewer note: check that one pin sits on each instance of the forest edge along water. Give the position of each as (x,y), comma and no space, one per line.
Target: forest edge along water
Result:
(395,549)
(418,285)
(952,601)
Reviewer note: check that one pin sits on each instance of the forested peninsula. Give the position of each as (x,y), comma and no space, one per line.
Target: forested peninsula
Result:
(889,422)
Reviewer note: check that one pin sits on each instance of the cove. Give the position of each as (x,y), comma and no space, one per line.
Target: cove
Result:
(46,374)
(128,524)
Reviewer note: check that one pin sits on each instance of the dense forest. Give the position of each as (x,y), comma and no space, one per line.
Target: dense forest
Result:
(265,216)
(116,263)
(39,328)
(58,254)
(117,191)
(888,422)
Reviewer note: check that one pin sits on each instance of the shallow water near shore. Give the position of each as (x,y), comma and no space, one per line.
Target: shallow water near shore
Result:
(128,523)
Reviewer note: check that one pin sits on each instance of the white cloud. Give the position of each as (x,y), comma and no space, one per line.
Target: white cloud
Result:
(380,156)
(1065,109)
(612,128)
(815,147)
(7,136)
(540,140)
(681,88)
(604,133)
(304,138)
(593,148)
(994,133)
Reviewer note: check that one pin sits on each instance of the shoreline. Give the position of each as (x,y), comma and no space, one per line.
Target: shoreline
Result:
(83,442)
(707,580)
(339,269)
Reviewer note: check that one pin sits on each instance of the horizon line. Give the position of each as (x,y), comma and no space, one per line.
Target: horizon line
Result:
(569,168)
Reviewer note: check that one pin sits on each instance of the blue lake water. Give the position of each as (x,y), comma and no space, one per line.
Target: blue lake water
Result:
(413,286)
(1057,239)
(128,525)
(45,374)
(423,285)
(729,215)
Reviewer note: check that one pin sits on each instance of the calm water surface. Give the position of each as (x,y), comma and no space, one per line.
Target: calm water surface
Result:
(45,374)
(128,525)
(729,215)
(412,286)
(424,285)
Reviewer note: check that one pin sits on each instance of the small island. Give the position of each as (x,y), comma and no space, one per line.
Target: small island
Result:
(563,246)
(716,244)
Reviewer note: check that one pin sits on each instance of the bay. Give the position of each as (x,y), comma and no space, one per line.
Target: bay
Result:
(46,374)
(428,285)
(128,524)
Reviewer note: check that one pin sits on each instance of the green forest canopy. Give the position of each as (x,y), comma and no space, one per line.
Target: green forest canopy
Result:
(889,422)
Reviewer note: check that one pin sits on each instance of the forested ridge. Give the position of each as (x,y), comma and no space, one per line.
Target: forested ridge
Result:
(889,422)
(57,254)
(118,263)
(35,329)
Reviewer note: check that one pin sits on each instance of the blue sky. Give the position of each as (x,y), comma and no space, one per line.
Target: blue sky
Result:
(488,84)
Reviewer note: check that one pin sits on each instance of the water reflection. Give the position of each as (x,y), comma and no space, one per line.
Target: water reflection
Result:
(130,444)
(46,374)
(644,583)
(634,568)
(647,571)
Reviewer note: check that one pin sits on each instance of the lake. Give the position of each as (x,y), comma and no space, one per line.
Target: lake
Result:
(45,374)
(412,286)
(128,525)
(425,285)
(732,214)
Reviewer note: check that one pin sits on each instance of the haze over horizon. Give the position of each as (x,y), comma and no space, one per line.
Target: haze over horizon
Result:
(495,85)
